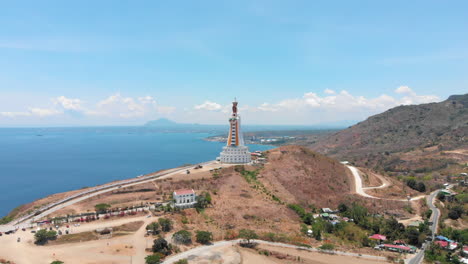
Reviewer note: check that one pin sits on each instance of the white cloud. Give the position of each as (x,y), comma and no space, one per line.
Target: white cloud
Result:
(404,90)
(68,103)
(38,112)
(329,91)
(114,106)
(208,105)
(269,108)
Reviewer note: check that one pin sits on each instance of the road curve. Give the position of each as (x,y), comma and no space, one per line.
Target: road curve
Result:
(200,249)
(360,190)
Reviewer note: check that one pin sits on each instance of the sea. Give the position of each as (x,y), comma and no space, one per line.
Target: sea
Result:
(36,162)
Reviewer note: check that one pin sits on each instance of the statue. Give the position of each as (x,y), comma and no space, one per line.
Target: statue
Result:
(234,107)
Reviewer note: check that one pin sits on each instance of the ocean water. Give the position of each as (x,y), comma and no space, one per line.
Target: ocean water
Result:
(36,162)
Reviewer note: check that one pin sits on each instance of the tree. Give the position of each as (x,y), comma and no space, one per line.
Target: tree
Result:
(153,228)
(308,219)
(204,237)
(57,262)
(43,236)
(413,236)
(160,245)
(318,235)
(342,207)
(153,259)
(421,187)
(102,207)
(453,214)
(247,234)
(166,224)
(182,237)
(182,261)
(411,183)
(203,201)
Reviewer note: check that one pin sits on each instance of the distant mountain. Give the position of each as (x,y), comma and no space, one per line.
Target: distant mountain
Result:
(162,122)
(382,139)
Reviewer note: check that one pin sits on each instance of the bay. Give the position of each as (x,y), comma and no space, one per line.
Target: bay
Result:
(36,162)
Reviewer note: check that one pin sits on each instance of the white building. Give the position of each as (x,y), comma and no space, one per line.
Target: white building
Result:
(184,198)
(235,151)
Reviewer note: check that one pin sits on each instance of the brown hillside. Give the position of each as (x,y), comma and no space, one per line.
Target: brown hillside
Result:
(403,129)
(299,175)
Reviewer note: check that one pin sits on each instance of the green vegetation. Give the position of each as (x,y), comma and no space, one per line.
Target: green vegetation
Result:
(251,178)
(248,235)
(436,254)
(455,234)
(5,220)
(182,237)
(418,186)
(327,246)
(182,261)
(204,237)
(161,246)
(57,262)
(153,259)
(165,223)
(203,201)
(102,207)
(154,228)
(307,218)
(43,236)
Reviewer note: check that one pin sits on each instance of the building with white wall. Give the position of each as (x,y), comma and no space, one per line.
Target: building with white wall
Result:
(184,198)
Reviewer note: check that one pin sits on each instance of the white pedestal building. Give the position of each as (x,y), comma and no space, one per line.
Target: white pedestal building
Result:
(184,198)
(235,151)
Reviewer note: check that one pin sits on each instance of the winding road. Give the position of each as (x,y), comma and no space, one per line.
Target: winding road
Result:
(435,222)
(360,189)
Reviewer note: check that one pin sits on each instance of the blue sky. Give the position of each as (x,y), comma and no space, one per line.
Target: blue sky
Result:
(287,62)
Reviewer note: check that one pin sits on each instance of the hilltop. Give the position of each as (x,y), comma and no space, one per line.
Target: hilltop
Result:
(404,138)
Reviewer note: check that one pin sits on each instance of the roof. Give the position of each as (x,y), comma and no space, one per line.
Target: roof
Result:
(184,191)
(443,238)
(397,246)
(378,236)
(441,243)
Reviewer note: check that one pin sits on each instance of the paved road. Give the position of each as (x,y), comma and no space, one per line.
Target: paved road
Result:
(435,222)
(360,189)
(201,249)
(27,221)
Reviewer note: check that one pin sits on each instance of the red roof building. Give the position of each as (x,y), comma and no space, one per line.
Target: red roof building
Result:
(184,191)
(441,243)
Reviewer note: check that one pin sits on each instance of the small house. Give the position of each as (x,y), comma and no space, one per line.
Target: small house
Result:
(184,198)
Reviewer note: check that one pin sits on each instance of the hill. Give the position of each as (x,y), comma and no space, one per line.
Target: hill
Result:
(387,140)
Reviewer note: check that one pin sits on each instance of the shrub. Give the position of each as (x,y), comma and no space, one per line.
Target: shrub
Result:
(166,224)
(182,237)
(57,262)
(43,236)
(204,237)
(327,246)
(453,214)
(160,245)
(248,234)
(154,228)
(153,259)
(102,207)
(182,261)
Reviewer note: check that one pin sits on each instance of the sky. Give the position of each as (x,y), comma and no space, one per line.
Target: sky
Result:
(87,63)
